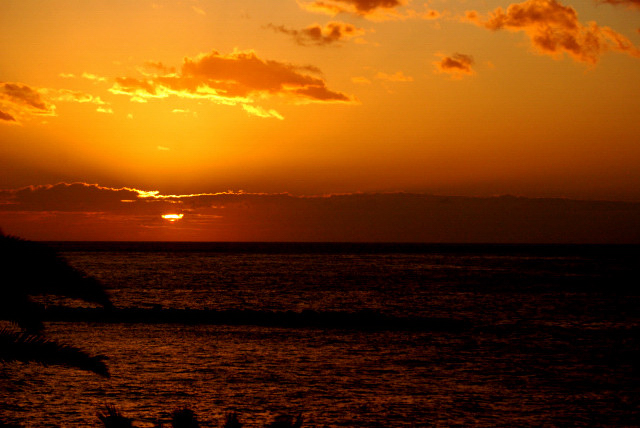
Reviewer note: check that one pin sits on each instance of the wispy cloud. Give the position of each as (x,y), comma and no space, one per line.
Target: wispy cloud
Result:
(377,9)
(7,117)
(261,112)
(361,80)
(628,3)
(198,10)
(398,76)
(107,110)
(19,101)
(95,77)
(156,68)
(331,34)
(374,10)
(554,29)
(85,75)
(67,95)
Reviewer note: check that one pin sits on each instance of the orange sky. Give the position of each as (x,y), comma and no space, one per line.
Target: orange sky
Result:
(471,98)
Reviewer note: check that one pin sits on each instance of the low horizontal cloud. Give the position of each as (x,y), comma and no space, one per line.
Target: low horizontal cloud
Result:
(155,68)
(239,78)
(91,76)
(67,95)
(85,75)
(92,212)
(554,29)
(6,117)
(361,80)
(108,110)
(18,93)
(457,65)
(18,100)
(331,34)
(261,112)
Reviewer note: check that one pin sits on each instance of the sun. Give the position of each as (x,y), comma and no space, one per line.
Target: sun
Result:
(172,217)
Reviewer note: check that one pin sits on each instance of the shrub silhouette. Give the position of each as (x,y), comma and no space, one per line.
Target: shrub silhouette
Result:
(112,418)
(184,417)
(286,421)
(232,421)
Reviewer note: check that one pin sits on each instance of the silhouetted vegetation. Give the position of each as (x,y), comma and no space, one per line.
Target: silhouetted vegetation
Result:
(184,417)
(20,346)
(112,418)
(232,421)
(286,421)
(28,269)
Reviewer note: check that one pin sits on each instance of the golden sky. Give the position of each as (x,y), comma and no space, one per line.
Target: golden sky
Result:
(473,98)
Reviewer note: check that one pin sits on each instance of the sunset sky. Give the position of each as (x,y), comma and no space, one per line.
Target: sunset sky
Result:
(158,102)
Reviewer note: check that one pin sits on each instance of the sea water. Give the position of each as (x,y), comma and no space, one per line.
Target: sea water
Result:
(551,337)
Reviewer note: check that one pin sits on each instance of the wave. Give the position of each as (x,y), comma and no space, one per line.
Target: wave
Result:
(360,320)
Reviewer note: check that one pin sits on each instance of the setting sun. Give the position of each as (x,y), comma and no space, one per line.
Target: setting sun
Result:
(172,217)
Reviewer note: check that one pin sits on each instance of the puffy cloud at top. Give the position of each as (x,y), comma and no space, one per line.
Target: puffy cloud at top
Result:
(237,78)
(554,29)
(374,10)
(457,65)
(360,7)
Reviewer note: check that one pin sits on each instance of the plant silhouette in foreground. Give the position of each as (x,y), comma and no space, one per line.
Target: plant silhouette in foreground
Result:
(20,346)
(232,421)
(112,418)
(184,417)
(286,421)
(29,269)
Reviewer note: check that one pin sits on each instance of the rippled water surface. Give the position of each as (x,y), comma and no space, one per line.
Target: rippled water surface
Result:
(553,338)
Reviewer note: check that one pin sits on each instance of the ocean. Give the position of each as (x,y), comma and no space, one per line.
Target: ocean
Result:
(357,335)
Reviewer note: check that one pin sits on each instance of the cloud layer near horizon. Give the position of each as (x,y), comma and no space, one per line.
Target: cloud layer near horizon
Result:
(80,211)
